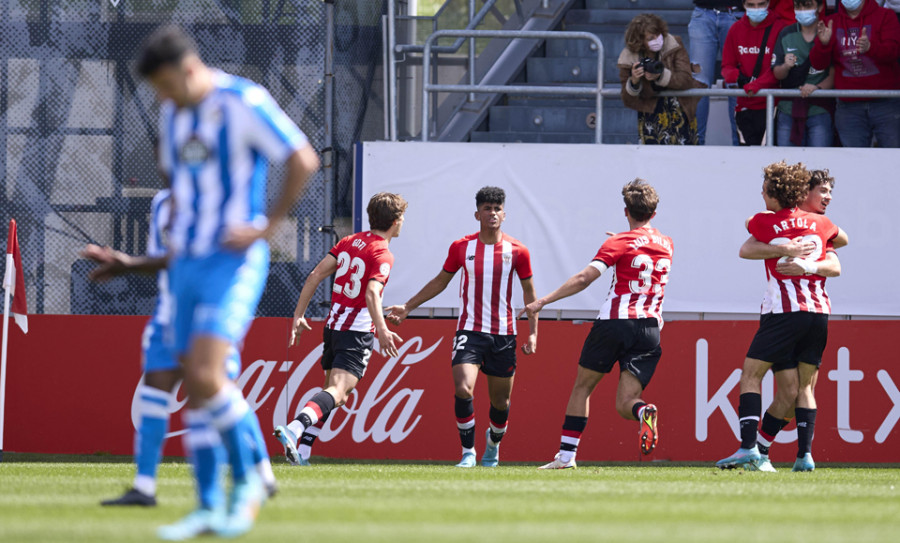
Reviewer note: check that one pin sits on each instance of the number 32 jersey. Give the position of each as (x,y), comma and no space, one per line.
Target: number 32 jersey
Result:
(360,258)
(642,259)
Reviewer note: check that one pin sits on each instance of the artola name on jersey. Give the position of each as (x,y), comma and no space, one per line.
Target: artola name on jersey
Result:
(216,155)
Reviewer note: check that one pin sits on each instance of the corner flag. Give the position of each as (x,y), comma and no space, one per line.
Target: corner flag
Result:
(14,279)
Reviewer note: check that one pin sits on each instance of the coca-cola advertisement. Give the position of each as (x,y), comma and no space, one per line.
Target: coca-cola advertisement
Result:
(78,375)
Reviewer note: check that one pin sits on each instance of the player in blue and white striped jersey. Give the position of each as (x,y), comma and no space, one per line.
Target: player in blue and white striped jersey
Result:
(217,135)
(162,372)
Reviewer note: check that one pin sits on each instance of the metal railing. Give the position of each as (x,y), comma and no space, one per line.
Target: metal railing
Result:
(596,91)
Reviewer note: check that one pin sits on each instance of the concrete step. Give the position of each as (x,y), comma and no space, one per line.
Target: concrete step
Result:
(571,48)
(540,70)
(616,119)
(621,17)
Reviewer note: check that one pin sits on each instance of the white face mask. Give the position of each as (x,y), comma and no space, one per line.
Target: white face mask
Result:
(656,43)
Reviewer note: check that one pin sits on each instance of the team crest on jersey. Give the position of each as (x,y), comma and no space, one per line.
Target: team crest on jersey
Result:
(194,152)
(385,268)
(507,258)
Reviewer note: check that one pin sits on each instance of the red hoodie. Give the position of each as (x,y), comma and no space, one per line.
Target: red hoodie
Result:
(740,53)
(784,9)
(877,68)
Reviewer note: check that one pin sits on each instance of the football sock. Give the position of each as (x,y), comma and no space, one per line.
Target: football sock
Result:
(637,408)
(231,417)
(321,404)
(465,421)
(306,441)
(749,409)
(206,455)
(259,451)
(498,424)
(573,427)
(767,432)
(806,426)
(153,407)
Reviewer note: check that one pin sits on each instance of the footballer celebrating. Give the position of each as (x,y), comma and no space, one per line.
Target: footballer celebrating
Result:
(486,331)
(627,329)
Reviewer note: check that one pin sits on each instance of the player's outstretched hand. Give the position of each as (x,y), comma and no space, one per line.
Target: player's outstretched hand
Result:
(388,343)
(531,309)
(111,262)
(300,325)
(396,314)
(241,237)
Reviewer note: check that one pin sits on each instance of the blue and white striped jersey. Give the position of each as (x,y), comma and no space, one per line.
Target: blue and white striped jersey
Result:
(160,215)
(216,155)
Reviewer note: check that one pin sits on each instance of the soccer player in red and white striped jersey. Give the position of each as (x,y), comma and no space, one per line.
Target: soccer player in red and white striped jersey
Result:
(795,376)
(486,331)
(361,264)
(627,329)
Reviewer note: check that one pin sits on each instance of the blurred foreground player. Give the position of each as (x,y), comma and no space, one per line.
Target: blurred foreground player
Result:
(217,134)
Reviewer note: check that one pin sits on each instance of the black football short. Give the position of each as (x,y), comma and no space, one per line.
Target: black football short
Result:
(347,350)
(633,343)
(494,354)
(785,339)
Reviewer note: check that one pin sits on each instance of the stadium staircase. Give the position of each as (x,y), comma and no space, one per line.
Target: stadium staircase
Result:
(561,119)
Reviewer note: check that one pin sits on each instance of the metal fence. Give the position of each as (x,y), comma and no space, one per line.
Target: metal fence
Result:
(77,129)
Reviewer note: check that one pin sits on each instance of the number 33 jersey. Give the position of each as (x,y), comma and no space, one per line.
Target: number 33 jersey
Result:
(360,258)
(642,258)
(785,293)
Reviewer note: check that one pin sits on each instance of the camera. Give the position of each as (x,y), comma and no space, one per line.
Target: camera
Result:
(651,65)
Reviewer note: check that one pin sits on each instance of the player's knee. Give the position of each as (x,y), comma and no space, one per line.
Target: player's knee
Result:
(464,391)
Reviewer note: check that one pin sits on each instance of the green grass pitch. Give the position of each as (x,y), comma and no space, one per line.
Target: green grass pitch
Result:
(396,502)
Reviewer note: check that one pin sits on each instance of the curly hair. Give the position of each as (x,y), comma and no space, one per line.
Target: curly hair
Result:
(640,199)
(640,26)
(820,177)
(384,208)
(788,184)
(490,195)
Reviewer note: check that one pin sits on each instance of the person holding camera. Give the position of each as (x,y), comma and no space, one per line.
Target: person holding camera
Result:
(747,64)
(654,61)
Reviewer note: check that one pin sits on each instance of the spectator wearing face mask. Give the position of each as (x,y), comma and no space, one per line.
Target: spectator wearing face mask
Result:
(862,40)
(747,64)
(654,61)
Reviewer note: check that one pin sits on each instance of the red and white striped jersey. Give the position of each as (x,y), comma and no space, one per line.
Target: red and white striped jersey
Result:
(486,286)
(361,258)
(642,258)
(788,294)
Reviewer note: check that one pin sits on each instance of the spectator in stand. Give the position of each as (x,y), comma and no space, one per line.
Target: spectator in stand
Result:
(783,9)
(863,41)
(891,4)
(747,64)
(707,30)
(803,121)
(654,61)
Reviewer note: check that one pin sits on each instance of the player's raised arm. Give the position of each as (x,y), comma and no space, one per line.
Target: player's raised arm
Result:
(841,240)
(387,340)
(323,269)
(573,285)
(114,263)
(398,313)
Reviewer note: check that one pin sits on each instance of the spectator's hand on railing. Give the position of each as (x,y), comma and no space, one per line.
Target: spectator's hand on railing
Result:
(824,31)
(862,43)
(808,89)
(752,87)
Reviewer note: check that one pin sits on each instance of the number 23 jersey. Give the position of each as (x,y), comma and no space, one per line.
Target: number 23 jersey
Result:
(360,258)
(642,258)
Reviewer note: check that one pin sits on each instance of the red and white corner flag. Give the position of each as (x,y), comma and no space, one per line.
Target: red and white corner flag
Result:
(14,279)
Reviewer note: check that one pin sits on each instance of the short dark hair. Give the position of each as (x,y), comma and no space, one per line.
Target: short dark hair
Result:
(490,195)
(787,183)
(640,199)
(820,177)
(384,208)
(802,3)
(165,46)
